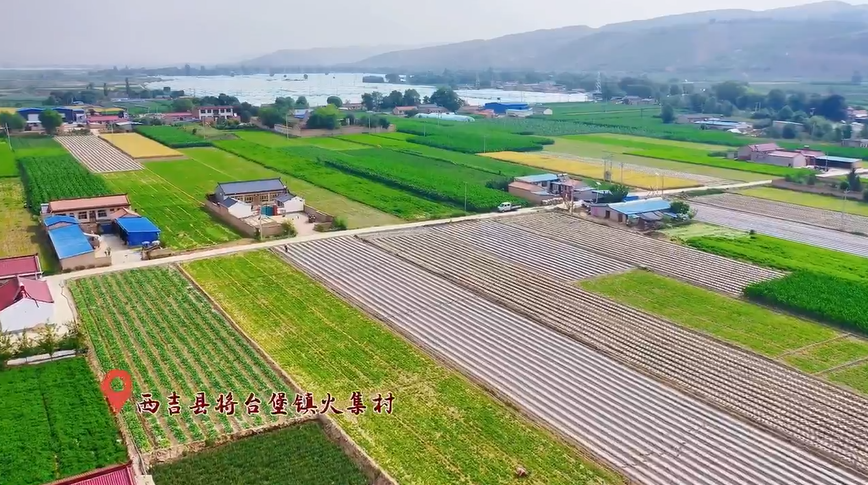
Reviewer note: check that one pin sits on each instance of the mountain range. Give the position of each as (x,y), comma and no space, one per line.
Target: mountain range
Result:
(825,40)
(324,56)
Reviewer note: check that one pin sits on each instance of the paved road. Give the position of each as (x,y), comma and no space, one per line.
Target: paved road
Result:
(792,231)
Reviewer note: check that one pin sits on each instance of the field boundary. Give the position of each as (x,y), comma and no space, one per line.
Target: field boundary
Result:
(358,456)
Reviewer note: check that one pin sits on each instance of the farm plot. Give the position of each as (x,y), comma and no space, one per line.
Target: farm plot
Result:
(856,207)
(155,325)
(619,167)
(300,454)
(792,231)
(593,170)
(616,413)
(790,212)
(139,147)
(97,155)
(443,430)
(55,423)
(21,232)
(809,411)
(33,146)
(183,221)
(273,140)
(54,177)
(172,137)
(669,259)
(8,167)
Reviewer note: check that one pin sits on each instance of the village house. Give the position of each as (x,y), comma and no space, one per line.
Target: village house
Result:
(750,152)
(214,113)
(93,213)
(684,119)
(74,248)
(252,192)
(24,303)
(170,118)
(645,214)
(402,110)
(530,192)
(24,266)
(431,109)
(780,125)
(782,158)
(855,143)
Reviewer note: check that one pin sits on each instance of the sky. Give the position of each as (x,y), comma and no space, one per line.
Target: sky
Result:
(166,32)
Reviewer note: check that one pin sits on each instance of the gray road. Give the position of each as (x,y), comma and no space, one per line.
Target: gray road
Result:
(792,231)
(651,433)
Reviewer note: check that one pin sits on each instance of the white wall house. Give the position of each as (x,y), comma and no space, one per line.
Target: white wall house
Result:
(215,112)
(289,203)
(237,208)
(24,304)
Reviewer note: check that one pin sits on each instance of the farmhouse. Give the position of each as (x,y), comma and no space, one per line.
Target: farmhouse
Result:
(721,125)
(749,152)
(829,161)
(402,110)
(501,108)
(74,248)
(431,109)
(646,213)
(543,180)
(782,158)
(684,119)
(93,212)
(530,192)
(212,113)
(24,304)
(780,125)
(253,192)
(24,266)
(170,118)
(70,115)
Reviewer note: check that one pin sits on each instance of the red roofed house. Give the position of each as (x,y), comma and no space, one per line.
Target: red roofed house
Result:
(24,304)
(26,266)
(89,211)
(751,152)
(214,113)
(104,119)
(403,110)
(176,117)
(111,475)
(782,158)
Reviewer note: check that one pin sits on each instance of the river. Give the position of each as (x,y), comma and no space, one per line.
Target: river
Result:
(262,88)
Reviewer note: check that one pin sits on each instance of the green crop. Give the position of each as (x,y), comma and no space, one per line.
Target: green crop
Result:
(55,177)
(8,167)
(172,137)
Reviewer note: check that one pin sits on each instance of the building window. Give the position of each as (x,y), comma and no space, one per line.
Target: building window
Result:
(248,199)
(82,216)
(101,214)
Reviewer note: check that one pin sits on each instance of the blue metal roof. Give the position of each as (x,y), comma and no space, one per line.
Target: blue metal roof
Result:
(252,186)
(132,225)
(228,202)
(69,241)
(535,179)
(52,220)
(839,159)
(641,206)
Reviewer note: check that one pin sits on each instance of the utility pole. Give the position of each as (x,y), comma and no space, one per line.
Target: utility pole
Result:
(843,207)
(465,198)
(8,140)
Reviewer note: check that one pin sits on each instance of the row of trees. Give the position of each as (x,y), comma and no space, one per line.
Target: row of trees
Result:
(51,120)
(444,96)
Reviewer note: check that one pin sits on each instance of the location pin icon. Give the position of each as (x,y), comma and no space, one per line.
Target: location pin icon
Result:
(117,399)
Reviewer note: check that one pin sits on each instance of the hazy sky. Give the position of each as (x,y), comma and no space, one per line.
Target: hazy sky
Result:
(210,31)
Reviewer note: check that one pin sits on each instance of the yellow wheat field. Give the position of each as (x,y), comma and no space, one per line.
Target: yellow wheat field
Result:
(633,178)
(137,146)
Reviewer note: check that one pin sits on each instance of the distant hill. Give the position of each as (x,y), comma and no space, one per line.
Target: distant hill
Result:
(820,40)
(325,56)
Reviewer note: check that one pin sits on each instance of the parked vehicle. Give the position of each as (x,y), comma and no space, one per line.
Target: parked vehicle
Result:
(508,207)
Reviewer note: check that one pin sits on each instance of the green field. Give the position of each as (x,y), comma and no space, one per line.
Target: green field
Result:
(300,454)
(54,177)
(274,140)
(31,146)
(211,166)
(810,200)
(21,232)
(752,327)
(8,166)
(172,137)
(54,423)
(168,336)
(444,430)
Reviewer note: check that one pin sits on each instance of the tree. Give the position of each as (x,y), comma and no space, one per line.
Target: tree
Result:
(368,101)
(301,103)
(411,98)
(710,106)
(105,90)
(680,207)
(726,108)
(854,181)
(392,100)
(327,117)
(697,101)
(270,117)
(284,104)
(789,132)
(846,132)
(127,85)
(729,91)
(51,120)
(335,101)
(48,339)
(393,78)
(12,120)
(182,105)
(667,113)
(426,100)
(833,107)
(383,123)
(447,98)
(776,99)
(675,90)
(785,113)
(617,194)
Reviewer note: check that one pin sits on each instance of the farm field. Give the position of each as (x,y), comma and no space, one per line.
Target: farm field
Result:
(211,166)
(139,147)
(55,423)
(735,380)
(167,335)
(443,429)
(381,141)
(593,170)
(171,137)
(809,200)
(180,216)
(512,355)
(468,137)
(38,145)
(783,229)
(8,166)
(299,454)
(303,163)
(274,140)
(595,150)
(829,219)
(97,154)
(753,327)
(21,233)
(698,229)
(53,177)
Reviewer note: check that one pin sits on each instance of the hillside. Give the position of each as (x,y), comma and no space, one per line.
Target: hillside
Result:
(327,56)
(823,39)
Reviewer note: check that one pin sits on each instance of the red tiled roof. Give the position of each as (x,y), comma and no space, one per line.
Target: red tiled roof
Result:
(214,107)
(86,203)
(405,108)
(18,288)
(783,153)
(102,119)
(113,475)
(19,265)
(122,213)
(526,186)
(764,147)
(176,115)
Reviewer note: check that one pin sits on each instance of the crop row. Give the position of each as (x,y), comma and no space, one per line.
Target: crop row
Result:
(37,145)
(8,167)
(469,137)
(97,155)
(54,423)
(303,163)
(48,178)
(809,411)
(172,137)
(425,177)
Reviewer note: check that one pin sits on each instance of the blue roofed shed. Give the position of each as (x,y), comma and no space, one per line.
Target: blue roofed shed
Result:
(543,178)
(838,162)
(69,241)
(138,230)
(52,221)
(637,207)
(500,107)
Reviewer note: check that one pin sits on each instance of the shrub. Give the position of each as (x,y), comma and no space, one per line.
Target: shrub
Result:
(339,224)
(289,229)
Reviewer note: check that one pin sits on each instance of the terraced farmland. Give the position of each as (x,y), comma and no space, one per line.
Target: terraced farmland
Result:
(98,155)
(669,259)
(652,434)
(155,325)
(822,417)
(791,231)
(790,212)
